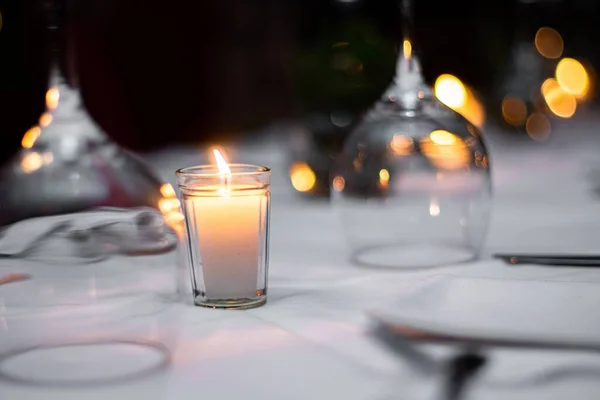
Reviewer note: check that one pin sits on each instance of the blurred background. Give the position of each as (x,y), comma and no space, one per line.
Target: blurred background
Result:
(155,73)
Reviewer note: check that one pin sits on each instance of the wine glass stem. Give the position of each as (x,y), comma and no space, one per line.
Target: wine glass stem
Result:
(61,39)
(407,10)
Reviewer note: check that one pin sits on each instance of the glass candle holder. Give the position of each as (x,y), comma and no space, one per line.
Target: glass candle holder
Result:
(227,219)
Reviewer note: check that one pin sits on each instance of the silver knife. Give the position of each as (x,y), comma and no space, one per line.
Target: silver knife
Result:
(551,260)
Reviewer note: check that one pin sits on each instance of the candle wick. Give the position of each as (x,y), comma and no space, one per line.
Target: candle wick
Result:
(225,184)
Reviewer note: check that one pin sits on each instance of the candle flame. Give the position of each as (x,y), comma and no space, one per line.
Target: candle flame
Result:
(221,163)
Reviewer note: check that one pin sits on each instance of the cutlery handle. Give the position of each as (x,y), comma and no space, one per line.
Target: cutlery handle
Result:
(461,370)
(550,260)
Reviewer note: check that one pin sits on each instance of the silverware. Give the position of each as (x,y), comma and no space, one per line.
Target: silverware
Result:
(433,336)
(402,339)
(457,371)
(551,260)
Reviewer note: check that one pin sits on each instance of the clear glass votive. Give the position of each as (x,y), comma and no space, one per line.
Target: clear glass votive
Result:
(227,219)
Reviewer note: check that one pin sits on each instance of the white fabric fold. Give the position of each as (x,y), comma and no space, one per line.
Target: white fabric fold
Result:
(88,234)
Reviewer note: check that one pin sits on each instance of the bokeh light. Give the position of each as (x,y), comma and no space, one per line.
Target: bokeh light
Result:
(52,97)
(164,205)
(48,157)
(538,127)
(402,145)
(434,208)
(339,183)
(302,177)
(572,77)
(407,49)
(561,103)
(45,119)
(450,91)
(549,43)
(384,178)
(514,110)
(446,150)
(31,162)
(453,93)
(384,175)
(442,137)
(473,110)
(167,190)
(30,137)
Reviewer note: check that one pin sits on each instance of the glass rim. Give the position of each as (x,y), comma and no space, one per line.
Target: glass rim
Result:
(210,170)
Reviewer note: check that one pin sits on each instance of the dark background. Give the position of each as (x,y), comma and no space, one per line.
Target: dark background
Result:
(156,73)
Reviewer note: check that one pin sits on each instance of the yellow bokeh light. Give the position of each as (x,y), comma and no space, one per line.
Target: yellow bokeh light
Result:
(402,145)
(561,103)
(175,204)
(442,137)
(384,178)
(472,110)
(30,137)
(454,94)
(538,127)
(548,85)
(52,97)
(407,49)
(514,110)
(339,183)
(549,42)
(165,206)
(446,150)
(384,175)
(572,77)
(45,119)
(175,221)
(450,91)
(167,190)
(31,162)
(302,176)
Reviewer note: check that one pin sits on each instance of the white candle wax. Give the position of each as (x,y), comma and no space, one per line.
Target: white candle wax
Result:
(229,224)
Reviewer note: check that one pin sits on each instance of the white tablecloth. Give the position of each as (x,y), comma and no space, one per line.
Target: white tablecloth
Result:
(312,339)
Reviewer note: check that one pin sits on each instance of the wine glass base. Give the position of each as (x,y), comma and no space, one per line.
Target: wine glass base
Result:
(231,304)
(83,364)
(412,256)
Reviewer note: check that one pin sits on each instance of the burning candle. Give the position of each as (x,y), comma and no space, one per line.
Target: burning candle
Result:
(226,209)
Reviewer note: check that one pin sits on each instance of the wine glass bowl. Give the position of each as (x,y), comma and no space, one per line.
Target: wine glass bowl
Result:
(412,184)
(413,188)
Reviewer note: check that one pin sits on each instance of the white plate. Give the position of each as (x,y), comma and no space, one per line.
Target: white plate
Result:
(501,310)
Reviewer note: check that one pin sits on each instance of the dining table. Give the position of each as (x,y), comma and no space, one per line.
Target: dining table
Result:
(314,339)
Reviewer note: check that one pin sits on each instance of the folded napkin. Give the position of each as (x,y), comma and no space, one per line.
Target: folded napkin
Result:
(97,233)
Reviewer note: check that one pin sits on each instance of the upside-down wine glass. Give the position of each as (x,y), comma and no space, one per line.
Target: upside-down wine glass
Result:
(67,163)
(412,184)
